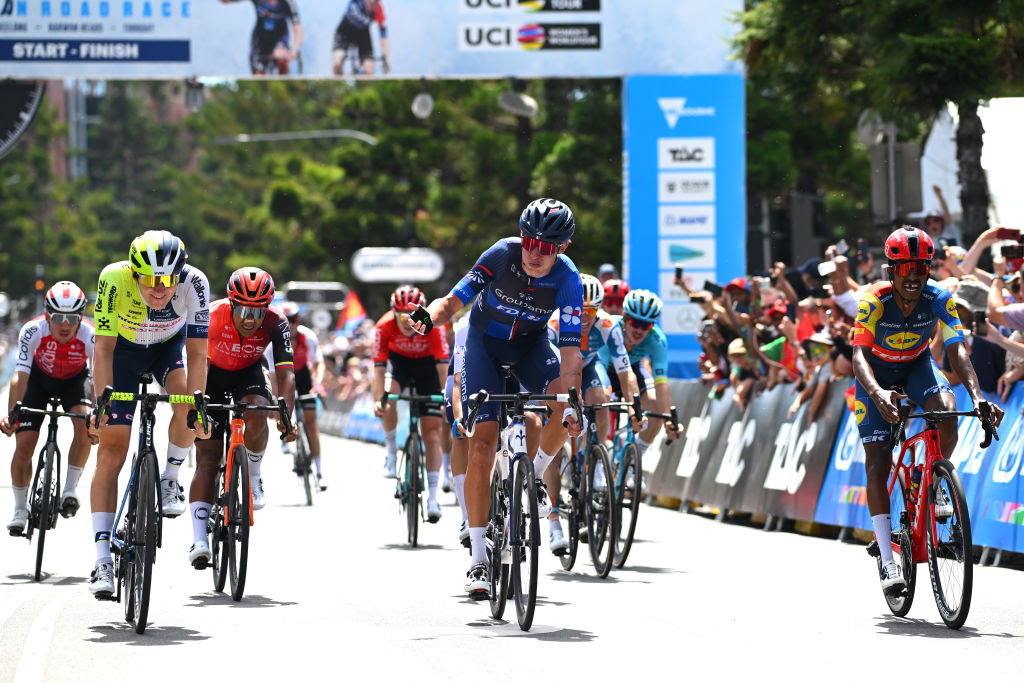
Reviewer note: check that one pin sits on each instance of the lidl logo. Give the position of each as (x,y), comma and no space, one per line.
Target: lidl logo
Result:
(951,308)
(860,410)
(902,340)
(864,310)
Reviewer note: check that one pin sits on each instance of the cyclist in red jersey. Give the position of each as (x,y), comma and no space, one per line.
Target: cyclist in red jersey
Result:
(242,327)
(895,321)
(414,359)
(52,360)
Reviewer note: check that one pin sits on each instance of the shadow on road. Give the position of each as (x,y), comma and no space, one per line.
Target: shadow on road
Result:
(224,600)
(123,632)
(499,628)
(406,546)
(20,579)
(931,629)
(639,569)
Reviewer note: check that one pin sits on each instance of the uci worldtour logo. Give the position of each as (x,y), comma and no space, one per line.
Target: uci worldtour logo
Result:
(502,37)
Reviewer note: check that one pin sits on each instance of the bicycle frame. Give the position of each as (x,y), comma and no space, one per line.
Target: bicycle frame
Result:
(147,420)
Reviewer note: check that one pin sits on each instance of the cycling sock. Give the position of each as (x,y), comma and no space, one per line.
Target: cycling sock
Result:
(391,441)
(476,544)
(200,514)
(460,493)
(175,456)
(446,463)
(541,462)
(21,497)
(641,445)
(432,478)
(71,482)
(554,522)
(883,534)
(101,524)
(255,463)
(316,466)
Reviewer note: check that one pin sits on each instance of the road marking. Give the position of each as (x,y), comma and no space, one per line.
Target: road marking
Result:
(32,664)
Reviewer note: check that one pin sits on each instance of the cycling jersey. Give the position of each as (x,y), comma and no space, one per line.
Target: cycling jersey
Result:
(605,332)
(654,346)
(121,311)
(389,339)
(227,350)
(359,17)
(305,348)
(517,305)
(37,345)
(893,338)
(272,16)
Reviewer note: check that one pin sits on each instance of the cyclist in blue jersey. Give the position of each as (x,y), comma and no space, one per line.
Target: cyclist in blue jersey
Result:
(270,40)
(643,338)
(354,29)
(521,282)
(895,322)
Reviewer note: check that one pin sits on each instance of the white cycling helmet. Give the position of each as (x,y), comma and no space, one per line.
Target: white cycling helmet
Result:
(65,297)
(289,308)
(593,291)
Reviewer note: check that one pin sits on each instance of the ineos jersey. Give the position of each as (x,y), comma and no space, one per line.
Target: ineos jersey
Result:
(389,339)
(894,338)
(227,350)
(36,344)
(517,305)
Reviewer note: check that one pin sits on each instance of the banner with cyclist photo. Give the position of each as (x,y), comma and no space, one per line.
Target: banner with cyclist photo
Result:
(402,38)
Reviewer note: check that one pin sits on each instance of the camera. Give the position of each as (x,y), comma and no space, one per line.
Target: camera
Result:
(826,268)
(1011,251)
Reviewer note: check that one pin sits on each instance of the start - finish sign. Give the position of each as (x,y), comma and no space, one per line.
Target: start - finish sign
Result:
(391,264)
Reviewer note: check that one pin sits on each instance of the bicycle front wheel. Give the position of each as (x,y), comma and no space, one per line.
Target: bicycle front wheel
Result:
(571,512)
(498,573)
(304,461)
(217,528)
(147,515)
(600,502)
(902,547)
(628,487)
(412,488)
(950,552)
(238,511)
(525,541)
(45,505)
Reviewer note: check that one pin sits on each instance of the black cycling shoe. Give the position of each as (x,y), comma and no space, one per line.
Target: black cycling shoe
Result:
(69,506)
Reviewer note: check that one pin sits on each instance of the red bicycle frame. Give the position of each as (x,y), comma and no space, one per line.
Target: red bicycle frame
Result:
(237,439)
(915,500)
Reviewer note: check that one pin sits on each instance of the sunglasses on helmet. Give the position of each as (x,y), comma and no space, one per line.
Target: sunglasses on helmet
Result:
(156,280)
(638,324)
(905,268)
(254,312)
(545,248)
(69,318)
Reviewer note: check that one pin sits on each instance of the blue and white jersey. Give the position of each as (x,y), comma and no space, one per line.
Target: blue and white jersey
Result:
(605,333)
(654,346)
(516,305)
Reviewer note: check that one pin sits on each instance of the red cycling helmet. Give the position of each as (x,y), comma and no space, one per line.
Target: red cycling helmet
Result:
(251,287)
(406,298)
(909,244)
(616,290)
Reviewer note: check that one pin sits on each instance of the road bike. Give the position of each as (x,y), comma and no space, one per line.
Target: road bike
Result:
(232,513)
(412,465)
(44,499)
(352,65)
(133,546)
(303,456)
(513,531)
(269,65)
(918,534)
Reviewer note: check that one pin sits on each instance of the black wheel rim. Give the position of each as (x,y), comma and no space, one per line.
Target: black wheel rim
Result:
(525,529)
(600,509)
(950,552)
(903,553)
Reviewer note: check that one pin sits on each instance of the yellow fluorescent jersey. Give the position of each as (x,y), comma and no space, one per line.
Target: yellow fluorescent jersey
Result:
(120,309)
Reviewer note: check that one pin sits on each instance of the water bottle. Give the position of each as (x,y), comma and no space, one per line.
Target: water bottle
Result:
(915,481)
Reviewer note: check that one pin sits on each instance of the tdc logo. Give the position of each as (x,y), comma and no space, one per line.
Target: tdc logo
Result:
(571,315)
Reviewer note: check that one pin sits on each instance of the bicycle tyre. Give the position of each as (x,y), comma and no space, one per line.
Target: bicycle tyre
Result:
(627,501)
(46,506)
(903,538)
(950,550)
(525,541)
(304,460)
(146,520)
(601,509)
(498,571)
(571,513)
(218,534)
(238,508)
(412,489)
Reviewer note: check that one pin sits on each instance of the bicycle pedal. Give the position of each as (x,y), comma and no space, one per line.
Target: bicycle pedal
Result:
(104,597)
(559,553)
(201,564)
(873,550)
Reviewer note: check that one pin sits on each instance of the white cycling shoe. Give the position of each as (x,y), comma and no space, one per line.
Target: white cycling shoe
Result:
(892,578)
(464,534)
(543,500)
(172,497)
(101,581)
(18,523)
(199,555)
(557,542)
(478,585)
(259,497)
(434,512)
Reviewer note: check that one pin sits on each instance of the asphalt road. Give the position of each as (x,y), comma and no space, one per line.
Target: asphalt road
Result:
(334,592)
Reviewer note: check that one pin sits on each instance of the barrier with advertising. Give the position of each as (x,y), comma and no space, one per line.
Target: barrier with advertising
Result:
(447,38)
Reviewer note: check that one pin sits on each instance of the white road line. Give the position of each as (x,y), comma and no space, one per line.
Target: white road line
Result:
(32,664)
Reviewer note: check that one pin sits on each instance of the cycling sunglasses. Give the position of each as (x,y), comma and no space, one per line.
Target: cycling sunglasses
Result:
(254,312)
(69,318)
(156,280)
(545,248)
(639,324)
(905,268)
(590,310)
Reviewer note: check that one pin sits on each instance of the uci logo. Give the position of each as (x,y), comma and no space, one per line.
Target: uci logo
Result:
(860,410)
(902,340)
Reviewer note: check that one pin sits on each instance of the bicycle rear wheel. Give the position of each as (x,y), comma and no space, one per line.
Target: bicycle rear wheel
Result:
(902,547)
(600,503)
(304,460)
(238,521)
(525,541)
(628,487)
(217,528)
(570,512)
(950,552)
(44,505)
(147,515)
(498,573)
(412,488)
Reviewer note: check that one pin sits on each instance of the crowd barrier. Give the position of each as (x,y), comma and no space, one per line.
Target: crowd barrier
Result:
(763,462)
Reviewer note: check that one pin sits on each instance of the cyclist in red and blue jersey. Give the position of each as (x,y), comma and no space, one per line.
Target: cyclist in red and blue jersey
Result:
(270,39)
(521,282)
(354,29)
(895,321)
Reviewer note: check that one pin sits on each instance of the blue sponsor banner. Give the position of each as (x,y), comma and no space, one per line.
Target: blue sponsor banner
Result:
(48,50)
(684,185)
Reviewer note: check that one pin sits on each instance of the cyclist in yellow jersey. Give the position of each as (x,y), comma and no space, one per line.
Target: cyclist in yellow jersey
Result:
(148,310)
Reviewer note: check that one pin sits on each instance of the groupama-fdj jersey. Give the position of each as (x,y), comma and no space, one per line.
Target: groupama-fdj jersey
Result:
(900,350)
(121,311)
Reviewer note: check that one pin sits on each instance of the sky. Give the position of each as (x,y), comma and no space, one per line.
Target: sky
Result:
(1001,158)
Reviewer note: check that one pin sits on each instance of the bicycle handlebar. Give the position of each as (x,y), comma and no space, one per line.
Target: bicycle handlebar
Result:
(983,412)
(281,408)
(477,400)
(19,408)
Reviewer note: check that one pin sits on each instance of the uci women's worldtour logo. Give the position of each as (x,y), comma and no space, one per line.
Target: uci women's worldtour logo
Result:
(532,5)
(501,37)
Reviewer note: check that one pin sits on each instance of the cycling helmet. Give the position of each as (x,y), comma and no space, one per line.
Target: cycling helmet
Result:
(642,304)
(157,252)
(547,219)
(65,297)
(251,287)
(406,298)
(909,244)
(616,289)
(289,309)
(593,292)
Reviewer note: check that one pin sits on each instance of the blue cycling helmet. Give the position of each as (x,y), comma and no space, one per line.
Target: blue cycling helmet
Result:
(547,219)
(642,304)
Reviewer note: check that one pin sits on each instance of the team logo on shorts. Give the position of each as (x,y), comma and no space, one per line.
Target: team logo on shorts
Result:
(902,340)
(571,315)
(860,410)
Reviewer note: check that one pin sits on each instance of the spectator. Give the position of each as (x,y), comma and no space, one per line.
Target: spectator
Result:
(606,272)
(939,224)
(742,375)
